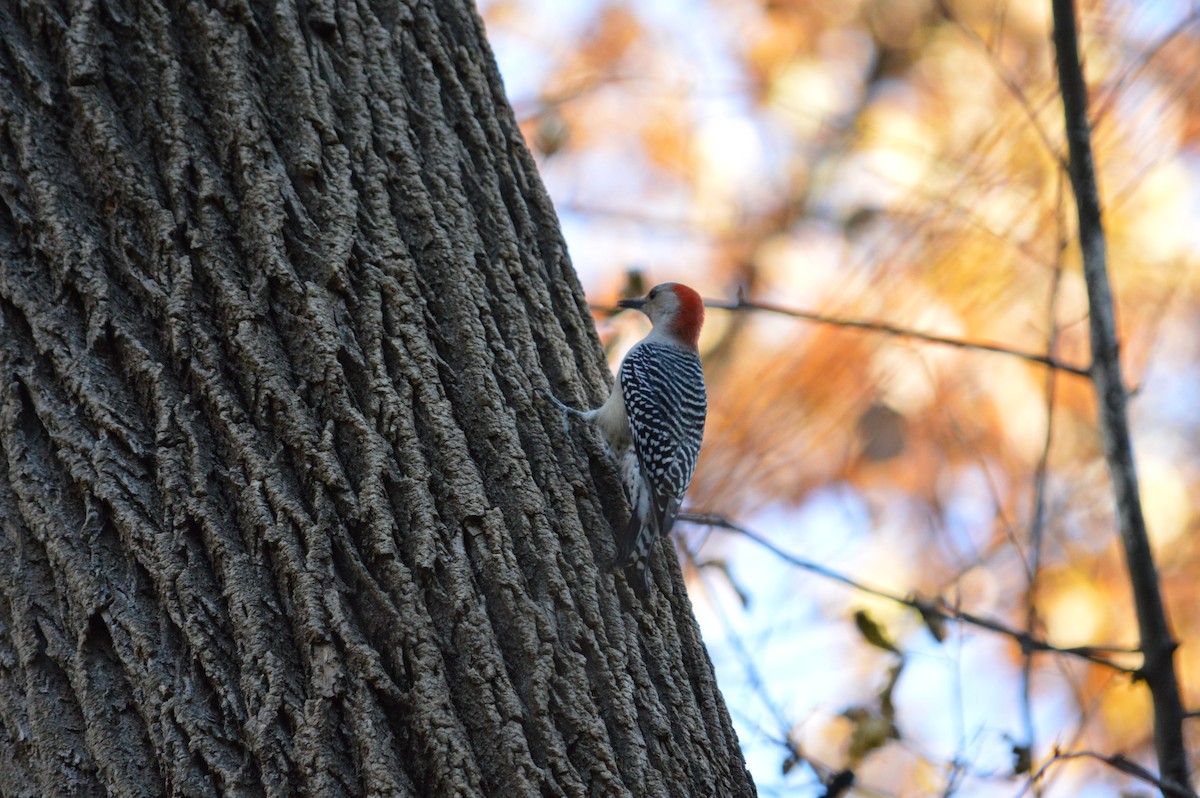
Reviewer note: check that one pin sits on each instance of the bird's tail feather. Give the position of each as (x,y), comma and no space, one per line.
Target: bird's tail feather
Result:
(653,516)
(633,554)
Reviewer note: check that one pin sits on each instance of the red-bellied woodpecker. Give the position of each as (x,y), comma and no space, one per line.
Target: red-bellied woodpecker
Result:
(654,420)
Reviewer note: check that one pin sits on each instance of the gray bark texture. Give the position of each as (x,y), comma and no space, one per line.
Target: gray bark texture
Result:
(281,509)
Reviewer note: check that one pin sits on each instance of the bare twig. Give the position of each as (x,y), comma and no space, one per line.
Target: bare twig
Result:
(1009,82)
(1168,787)
(1157,644)
(1037,524)
(757,683)
(890,329)
(743,304)
(1146,56)
(935,607)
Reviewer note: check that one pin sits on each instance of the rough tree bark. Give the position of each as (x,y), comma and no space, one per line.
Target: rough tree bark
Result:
(281,511)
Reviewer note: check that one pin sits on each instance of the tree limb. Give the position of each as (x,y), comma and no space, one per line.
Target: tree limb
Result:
(1157,644)
(1169,788)
(935,608)
(743,304)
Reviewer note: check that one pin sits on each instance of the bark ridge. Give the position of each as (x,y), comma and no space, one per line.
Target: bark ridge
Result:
(281,512)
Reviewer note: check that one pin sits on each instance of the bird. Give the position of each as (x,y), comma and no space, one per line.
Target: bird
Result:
(653,421)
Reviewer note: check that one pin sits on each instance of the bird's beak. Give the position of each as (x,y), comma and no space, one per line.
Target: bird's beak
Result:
(636,303)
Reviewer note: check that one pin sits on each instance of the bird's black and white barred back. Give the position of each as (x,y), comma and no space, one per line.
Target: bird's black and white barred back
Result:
(663,387)
(666,402)
(653,420)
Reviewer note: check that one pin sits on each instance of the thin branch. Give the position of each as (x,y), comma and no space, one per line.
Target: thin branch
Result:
(1144,58)
(757,683)
(1009,82)
(935,608)
(1157,644)
(741,304)
(959,210)
(1037,525)
(1168,787)
(981,462)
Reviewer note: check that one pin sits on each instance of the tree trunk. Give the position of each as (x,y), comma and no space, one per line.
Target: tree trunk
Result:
(282,511)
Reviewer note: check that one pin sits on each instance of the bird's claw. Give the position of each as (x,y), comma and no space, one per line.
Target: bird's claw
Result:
(566,410)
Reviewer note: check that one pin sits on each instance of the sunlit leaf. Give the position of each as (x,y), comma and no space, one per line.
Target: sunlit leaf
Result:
(838,785)
(871,731)
(872,632)
(1022,759)
(935,622)
(886,708)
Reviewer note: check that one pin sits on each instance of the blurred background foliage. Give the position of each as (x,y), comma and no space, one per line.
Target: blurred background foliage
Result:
(898,161)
